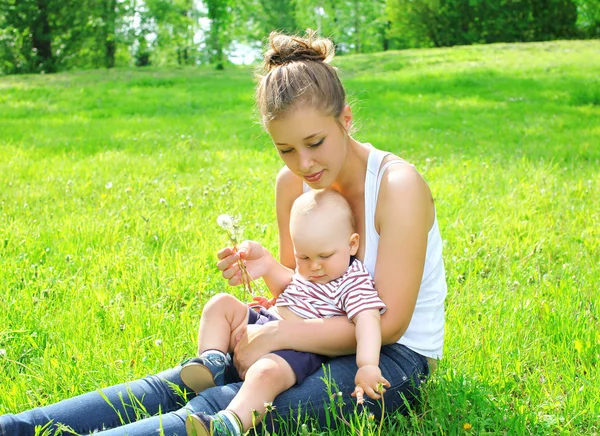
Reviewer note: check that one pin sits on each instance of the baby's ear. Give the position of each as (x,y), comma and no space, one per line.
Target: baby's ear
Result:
(354,242)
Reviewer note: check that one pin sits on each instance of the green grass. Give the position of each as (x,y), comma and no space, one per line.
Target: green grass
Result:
(111,181)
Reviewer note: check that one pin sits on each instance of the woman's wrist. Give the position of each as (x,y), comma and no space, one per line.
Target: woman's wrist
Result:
(271,330)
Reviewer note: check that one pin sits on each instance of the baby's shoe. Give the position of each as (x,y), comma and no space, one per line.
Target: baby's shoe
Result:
(200,424)
(200,373)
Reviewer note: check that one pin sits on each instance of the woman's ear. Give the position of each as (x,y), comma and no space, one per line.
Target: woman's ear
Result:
(354,240)
(346,118)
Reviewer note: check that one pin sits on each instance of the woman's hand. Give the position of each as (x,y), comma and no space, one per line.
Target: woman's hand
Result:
(252,343)
(369,381)
(254,256)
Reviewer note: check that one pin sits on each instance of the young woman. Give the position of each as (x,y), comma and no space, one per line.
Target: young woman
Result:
(304,109)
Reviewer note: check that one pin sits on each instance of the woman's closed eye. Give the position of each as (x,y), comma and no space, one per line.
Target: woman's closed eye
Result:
(316,144)
(289,150)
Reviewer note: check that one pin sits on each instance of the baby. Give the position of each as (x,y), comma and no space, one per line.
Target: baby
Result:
(328,282)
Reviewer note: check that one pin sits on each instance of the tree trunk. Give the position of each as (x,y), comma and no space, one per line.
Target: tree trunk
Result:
(42,39)
(110,45)
(386,32)
(357,25)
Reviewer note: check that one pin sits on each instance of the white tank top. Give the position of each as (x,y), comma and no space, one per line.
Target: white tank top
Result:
(425,333)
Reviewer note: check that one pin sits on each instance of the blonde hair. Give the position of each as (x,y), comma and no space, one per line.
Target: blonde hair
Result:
(316,199)
(296,72)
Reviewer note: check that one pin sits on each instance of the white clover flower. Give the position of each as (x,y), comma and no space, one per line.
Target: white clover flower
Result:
(158,342)
(108,185)
(2,352)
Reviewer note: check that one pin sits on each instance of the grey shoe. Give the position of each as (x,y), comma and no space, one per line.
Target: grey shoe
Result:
(200,373)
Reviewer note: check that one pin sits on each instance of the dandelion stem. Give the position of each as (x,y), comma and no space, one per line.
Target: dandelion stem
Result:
(246,279)
(382,412)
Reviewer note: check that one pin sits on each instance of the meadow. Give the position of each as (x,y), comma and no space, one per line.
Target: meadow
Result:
(111,182)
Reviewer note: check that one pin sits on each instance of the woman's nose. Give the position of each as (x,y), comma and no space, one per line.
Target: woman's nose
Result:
(306,162)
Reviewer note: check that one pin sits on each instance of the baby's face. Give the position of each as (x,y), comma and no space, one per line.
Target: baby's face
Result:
(322,246)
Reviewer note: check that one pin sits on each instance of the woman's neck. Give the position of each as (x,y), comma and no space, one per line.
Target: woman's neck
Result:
(353,169)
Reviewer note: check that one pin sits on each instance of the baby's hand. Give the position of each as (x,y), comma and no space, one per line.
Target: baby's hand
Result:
(259,301)
(369,381)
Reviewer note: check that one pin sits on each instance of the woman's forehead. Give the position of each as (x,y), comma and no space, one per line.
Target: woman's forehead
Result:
(299,125)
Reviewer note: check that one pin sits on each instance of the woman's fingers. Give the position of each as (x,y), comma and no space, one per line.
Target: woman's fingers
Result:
(224,252)
(228,261)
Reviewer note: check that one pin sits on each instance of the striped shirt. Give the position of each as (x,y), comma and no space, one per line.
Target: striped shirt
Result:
(348,295)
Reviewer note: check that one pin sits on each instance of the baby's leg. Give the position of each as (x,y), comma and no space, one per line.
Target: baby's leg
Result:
(221,317)
(266,379)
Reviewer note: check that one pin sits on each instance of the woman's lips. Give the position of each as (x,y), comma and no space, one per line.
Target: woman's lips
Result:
(313,177)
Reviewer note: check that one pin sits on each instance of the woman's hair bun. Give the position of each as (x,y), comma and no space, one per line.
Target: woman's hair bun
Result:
(284,49)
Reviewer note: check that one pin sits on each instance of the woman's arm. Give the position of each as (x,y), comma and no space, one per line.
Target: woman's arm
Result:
(405,213)
(288,187)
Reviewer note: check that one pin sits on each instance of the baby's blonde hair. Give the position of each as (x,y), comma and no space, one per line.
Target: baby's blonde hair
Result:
(318,199)
(296,72)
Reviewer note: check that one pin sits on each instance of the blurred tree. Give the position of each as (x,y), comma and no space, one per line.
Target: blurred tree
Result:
(279,15)
(218,37)
(54,35)
(353,25)
(419,23)
(176,23)
(588,18)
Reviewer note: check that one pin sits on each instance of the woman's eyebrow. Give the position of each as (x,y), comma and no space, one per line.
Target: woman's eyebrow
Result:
(313,135)
(308,137)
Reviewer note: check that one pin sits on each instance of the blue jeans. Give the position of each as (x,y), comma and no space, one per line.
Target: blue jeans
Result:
(91,412)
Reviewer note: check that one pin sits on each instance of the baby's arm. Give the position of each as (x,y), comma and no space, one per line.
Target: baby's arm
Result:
(368,339)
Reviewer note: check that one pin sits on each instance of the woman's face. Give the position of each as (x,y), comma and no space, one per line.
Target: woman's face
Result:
(312,145)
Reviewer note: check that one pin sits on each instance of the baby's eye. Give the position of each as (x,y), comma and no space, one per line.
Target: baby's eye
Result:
(326,256)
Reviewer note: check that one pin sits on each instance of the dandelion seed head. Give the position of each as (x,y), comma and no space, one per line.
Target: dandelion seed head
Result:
(108,185)
(158,342)
(2,352)
(225,221)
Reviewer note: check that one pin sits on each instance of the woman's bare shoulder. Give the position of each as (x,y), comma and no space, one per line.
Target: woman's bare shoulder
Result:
(288,178)
(403,187)
(288,185)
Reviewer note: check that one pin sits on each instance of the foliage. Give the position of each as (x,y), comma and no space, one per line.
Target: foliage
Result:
(111,181)
(418,23)
(588,18)
(56,35)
